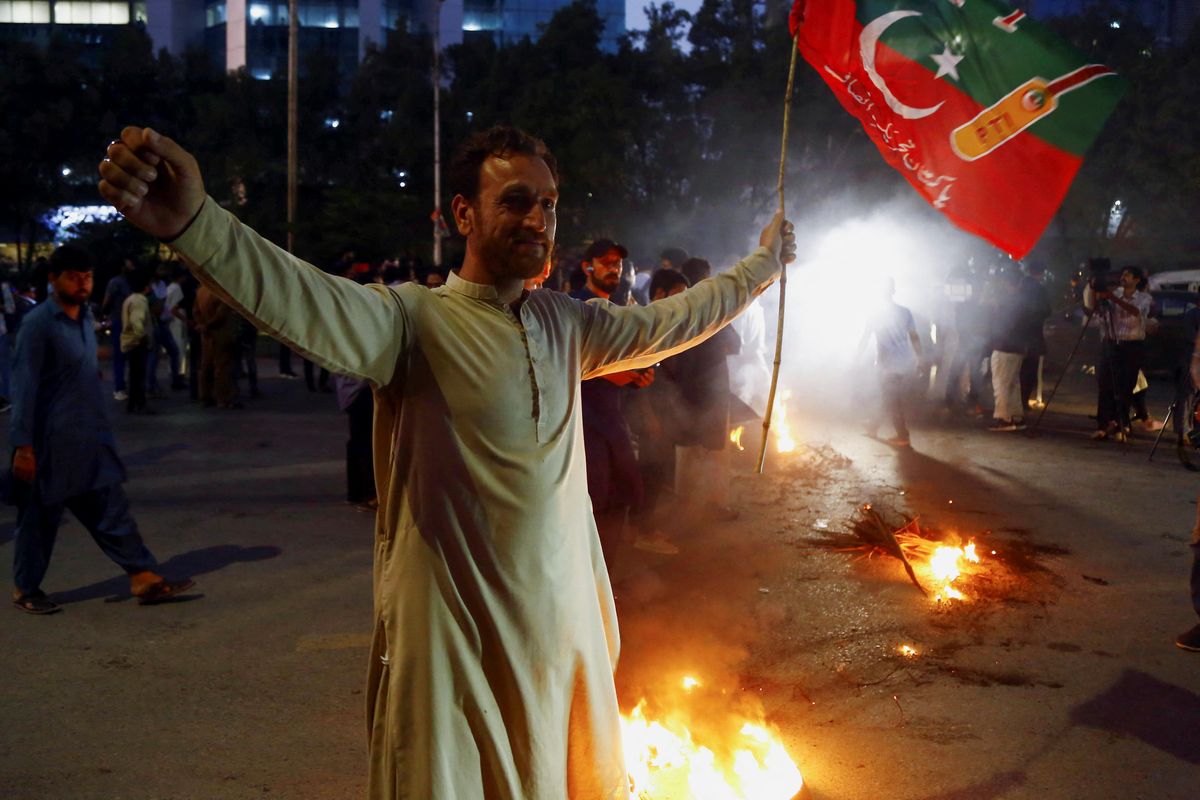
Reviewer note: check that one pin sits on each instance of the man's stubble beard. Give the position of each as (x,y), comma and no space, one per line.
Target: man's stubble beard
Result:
(68,300)
(502,262)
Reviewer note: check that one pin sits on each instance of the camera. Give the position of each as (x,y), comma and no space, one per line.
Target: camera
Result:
(1100,276)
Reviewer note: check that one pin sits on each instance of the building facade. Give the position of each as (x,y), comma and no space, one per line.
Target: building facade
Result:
(252,34)
(1171,20)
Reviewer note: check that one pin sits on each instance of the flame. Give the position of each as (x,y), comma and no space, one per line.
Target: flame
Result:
(735,436)
(689,682)
(908,651)
(948,593)
(784,442)
(945,563)
(665,763)
(945,567)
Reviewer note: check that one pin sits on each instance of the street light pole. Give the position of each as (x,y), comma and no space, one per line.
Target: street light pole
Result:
(438,225)
(292,120)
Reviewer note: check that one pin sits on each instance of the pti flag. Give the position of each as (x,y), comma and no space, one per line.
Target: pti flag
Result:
(986,113)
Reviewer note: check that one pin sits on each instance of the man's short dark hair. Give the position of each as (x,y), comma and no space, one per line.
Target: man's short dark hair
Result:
(675,256)
(138,279)
(501,141)
(70,258)
(695,270)
(665,280)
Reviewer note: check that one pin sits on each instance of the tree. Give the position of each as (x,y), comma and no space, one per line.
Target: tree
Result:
(48,106)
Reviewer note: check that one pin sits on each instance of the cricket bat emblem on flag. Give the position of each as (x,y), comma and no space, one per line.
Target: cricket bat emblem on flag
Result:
(983,111)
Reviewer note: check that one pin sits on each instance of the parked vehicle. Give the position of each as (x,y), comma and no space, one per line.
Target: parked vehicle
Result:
(1179,280)
(1175,318)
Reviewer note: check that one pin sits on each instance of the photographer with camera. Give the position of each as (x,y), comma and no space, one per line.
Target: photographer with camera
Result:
(1122,311)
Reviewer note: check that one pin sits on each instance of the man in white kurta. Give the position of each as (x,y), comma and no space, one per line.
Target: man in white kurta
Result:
(495,633)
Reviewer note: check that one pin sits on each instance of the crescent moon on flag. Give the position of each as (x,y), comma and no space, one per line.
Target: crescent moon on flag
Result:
(868,40)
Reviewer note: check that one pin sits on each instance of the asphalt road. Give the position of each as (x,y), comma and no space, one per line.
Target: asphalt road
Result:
(1058,681)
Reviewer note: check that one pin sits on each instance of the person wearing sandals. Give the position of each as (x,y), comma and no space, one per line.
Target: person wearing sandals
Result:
(64,453)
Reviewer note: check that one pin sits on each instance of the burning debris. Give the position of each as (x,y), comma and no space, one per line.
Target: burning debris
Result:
(668,760)
(941,559)
(784,440)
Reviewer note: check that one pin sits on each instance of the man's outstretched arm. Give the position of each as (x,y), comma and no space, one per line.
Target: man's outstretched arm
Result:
(629,337)
(348,328)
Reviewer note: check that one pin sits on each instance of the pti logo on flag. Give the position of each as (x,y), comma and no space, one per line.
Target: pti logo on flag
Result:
(982,110)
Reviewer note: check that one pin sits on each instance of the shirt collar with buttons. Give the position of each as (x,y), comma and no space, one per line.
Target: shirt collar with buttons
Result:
(506,293)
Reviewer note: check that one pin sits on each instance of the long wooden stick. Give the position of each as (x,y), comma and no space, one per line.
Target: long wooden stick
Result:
(787,120)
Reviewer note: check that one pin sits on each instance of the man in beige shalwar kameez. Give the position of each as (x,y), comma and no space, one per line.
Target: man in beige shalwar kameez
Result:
(495,635)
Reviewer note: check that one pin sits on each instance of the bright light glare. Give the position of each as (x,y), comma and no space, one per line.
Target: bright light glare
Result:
(842,286)
(64,218)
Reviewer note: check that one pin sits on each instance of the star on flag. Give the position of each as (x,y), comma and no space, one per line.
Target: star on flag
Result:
(947,63)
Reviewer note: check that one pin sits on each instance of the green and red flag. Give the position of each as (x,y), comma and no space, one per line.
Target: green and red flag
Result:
(986,113)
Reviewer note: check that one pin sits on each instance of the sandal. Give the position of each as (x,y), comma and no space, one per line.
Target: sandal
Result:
(164,590)
(36,603)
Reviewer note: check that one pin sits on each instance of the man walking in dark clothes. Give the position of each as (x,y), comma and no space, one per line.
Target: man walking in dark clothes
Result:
(64,453)
(115,292)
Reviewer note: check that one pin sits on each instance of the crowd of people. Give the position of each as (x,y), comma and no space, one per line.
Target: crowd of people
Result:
(659,432)
(988,345)
(495,632)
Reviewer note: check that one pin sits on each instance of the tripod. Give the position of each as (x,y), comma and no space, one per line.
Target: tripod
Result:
(1186,410)
(1108,329)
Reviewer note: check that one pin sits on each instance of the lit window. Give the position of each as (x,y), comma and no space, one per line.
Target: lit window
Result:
(214,14)
(80,12)
(24,11)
